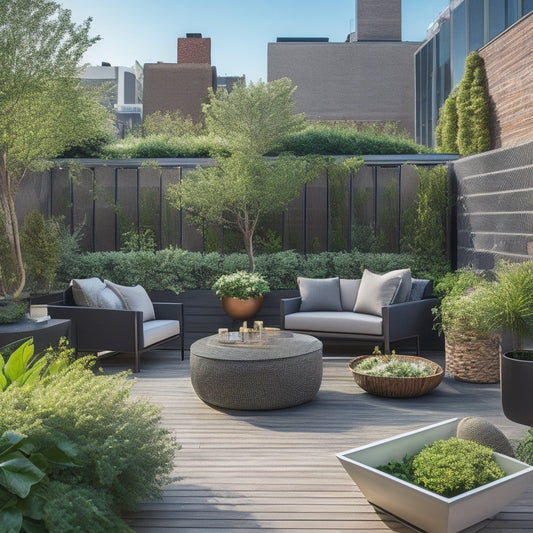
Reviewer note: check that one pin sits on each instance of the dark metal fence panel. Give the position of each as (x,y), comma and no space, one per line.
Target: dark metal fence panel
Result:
(113,198)
(494,206)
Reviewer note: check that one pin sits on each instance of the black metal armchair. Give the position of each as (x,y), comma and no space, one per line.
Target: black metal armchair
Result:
(96,329)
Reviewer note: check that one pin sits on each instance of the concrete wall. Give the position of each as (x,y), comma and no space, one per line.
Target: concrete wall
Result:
(494,206)
(349,81)
(509,66)
(171,86)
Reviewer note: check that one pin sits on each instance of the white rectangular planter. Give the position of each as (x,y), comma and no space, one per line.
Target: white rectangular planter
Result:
(424,509)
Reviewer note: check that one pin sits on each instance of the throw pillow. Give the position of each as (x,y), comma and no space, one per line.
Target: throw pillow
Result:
(320,294)
(404,289)
(85,291)
(134,299)
(376,291)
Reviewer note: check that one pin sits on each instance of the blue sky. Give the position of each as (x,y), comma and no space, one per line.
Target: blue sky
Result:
(240,30)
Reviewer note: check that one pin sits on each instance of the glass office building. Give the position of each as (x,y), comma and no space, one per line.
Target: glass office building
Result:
(463,27)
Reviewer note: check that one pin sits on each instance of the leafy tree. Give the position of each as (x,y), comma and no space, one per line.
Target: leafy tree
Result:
(254,118)
(473,119)
(169,123)
(245,187)
(43,110)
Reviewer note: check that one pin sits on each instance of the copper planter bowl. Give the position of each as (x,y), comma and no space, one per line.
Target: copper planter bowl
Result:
(242,309)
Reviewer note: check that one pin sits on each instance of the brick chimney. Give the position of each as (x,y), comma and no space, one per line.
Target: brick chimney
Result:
(194,49)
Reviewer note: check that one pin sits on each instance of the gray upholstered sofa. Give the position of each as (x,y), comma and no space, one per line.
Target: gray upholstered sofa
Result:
(376,308)
(116,318)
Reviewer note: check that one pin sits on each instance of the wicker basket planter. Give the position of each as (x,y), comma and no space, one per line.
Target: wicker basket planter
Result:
(392,387)
(472,359)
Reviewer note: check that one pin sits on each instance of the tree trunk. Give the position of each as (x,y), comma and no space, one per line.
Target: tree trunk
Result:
(249,247)
(12,288)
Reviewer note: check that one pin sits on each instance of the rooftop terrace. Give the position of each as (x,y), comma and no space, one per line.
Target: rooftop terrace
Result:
(277,470)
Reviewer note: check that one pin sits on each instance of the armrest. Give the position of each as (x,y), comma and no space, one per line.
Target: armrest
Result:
(288,306)
(95,329)
(409,318)
(168,311)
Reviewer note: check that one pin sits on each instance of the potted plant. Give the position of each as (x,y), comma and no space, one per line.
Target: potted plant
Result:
(472,349)
(510,304)
(241,293)
(423,508)
(395,376)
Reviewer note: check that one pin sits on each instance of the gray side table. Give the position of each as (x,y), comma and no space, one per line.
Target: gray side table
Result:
(44,334)
(285,372)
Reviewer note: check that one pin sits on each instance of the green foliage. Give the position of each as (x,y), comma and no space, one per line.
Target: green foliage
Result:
(446,130)
(327,140)
(138,241)
(462,309)
(19,365)
(400,469)
(39,239)
(509,301)
(179,270)
(24,466)
(160,145)
(473,118)
(425,232)
(124,456)
(253,118)
(12,310)
(524,448)
(242,285)
(392,367)
(43,109)
(453,466)
(172,124)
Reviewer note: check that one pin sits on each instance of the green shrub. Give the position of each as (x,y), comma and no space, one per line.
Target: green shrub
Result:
(123,454)
(39,240)
(12,310)
(473,118)
(327,140)
(446,130)
(178,270)
(524,448)
(453,466)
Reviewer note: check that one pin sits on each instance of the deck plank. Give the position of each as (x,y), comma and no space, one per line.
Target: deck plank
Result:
(276,471)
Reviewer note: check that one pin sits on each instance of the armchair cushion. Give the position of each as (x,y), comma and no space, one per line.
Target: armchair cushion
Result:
(158,330)
(134,299)
(320,294)
(376,291)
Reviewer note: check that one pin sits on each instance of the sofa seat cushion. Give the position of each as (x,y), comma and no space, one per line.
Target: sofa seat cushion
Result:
(335,322)
(159,330)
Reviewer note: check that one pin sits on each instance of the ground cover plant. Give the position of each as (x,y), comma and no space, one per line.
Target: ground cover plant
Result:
(392,367)
(119,454)
(448,467)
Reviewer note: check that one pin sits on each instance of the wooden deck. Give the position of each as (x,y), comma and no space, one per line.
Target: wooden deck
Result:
(276,471)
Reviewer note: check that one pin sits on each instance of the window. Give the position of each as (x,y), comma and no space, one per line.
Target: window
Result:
(458,42)
(512,12)
(496,17)
(527,6)
(476,24)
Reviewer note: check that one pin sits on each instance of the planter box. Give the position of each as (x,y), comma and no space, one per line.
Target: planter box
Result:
(419,507)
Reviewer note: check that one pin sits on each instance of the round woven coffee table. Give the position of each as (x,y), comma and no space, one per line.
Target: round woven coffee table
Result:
(284,371)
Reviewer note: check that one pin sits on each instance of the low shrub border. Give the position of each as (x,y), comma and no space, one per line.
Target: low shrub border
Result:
(179,270)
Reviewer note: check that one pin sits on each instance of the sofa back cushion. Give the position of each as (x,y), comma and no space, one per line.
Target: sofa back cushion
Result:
(134,299)
(378,290)
(349,290)
(320,294)
(93,292)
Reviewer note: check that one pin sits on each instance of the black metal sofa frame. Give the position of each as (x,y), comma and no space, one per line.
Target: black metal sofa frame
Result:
(97,329)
